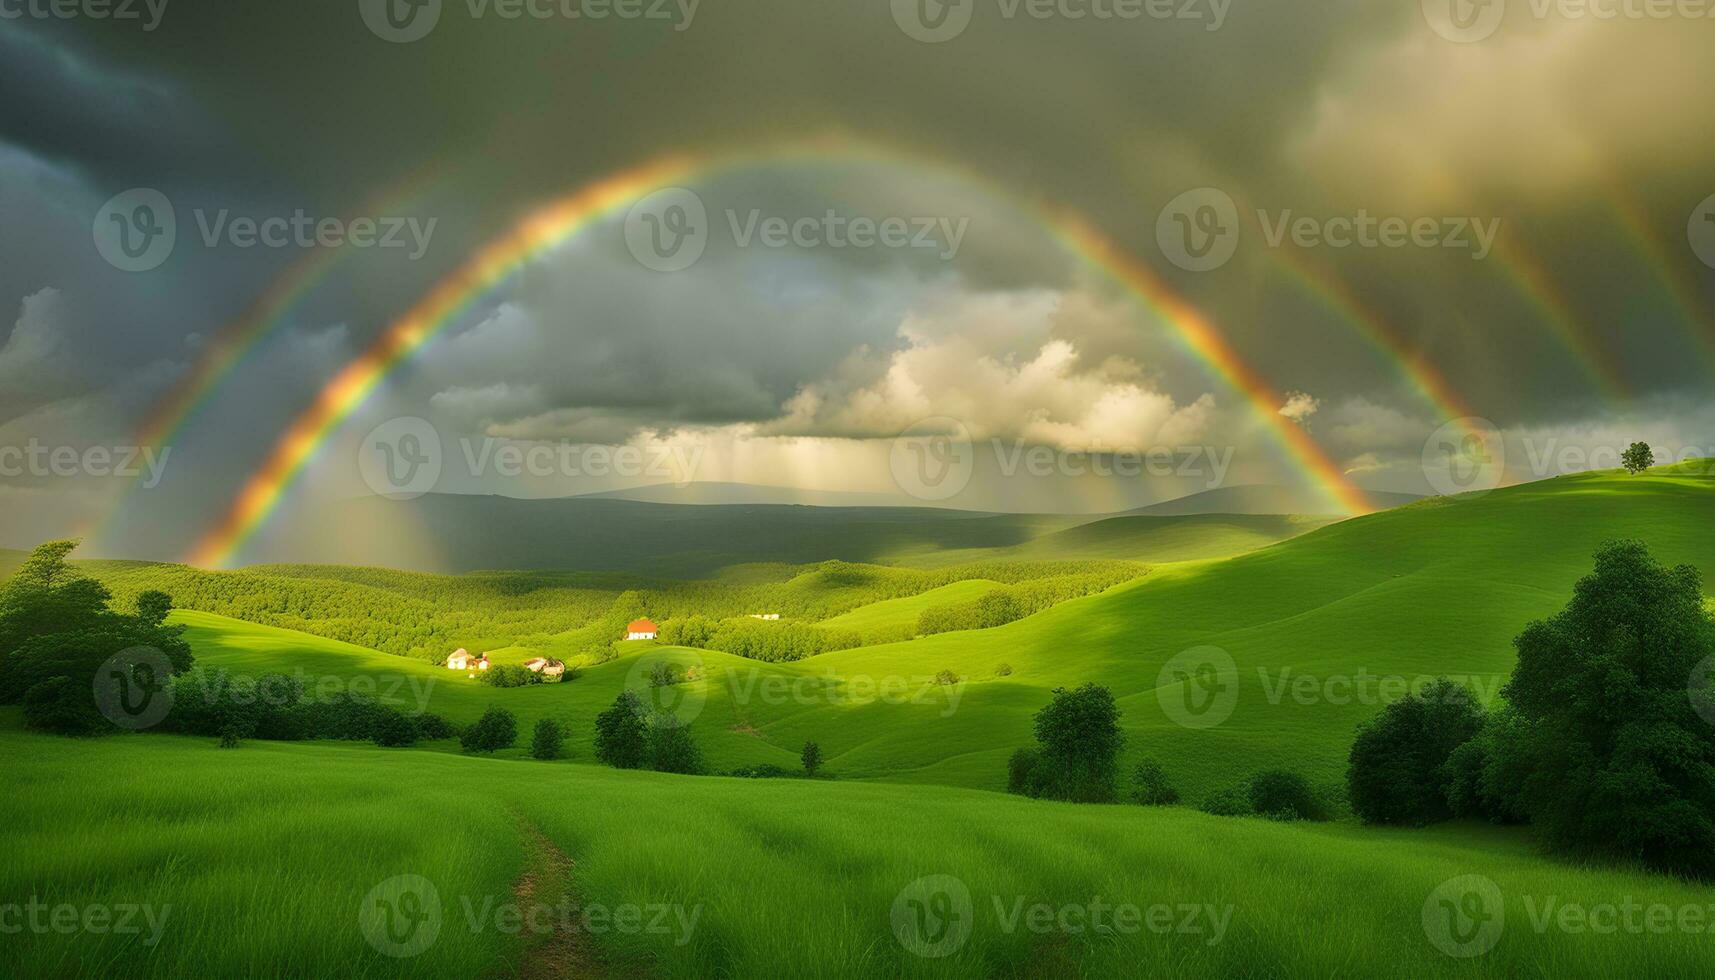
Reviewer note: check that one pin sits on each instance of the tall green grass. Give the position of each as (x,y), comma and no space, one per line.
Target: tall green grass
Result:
(264,854)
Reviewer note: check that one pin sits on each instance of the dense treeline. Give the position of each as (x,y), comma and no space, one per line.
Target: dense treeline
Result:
(1026,598)
(572,615)
(1604,739)
(60,630)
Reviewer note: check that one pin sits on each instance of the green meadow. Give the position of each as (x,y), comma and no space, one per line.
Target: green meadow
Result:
(260,861)
(282,843)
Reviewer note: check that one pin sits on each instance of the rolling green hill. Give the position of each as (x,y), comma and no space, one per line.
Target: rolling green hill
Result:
(1320,631)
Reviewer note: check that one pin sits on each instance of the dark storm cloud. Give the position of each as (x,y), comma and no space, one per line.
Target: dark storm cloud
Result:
(1318,109)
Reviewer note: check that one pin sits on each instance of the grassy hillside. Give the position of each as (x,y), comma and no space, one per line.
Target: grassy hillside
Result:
(1320,631)
(283,846)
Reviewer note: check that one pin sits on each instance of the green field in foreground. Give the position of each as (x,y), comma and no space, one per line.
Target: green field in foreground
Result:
(1316,632)
(257,861)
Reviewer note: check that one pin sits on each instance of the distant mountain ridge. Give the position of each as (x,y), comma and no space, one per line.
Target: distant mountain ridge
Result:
(1263,499)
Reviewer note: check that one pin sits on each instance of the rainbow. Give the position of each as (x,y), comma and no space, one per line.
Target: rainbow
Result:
(1535,284)
(1630,216)
(1427,380)
(241,336)
(564,218)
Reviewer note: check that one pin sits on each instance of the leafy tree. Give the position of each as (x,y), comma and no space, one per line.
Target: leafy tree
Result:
(621,735)
(663,673)
(1396,770)
(1617,759)
(1150,786)
(1081,740)
(671,748)
(1022,770)
(1281,795)
(1485,775)
(1637,458)
(46,596)
(812,756)
(153,607)
(545,742)
(496,729)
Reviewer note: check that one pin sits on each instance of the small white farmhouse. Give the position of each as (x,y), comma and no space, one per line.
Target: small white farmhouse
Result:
(642,629)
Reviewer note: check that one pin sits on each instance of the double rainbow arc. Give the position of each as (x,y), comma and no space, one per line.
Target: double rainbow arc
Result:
(561,220)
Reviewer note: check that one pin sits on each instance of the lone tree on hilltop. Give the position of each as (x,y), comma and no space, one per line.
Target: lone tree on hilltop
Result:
(1637,458)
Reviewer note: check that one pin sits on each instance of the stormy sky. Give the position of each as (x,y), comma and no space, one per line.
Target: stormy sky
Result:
(1560,166)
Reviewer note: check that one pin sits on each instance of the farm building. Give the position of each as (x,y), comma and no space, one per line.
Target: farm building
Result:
(461,659)
(642,629)
(546,666)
